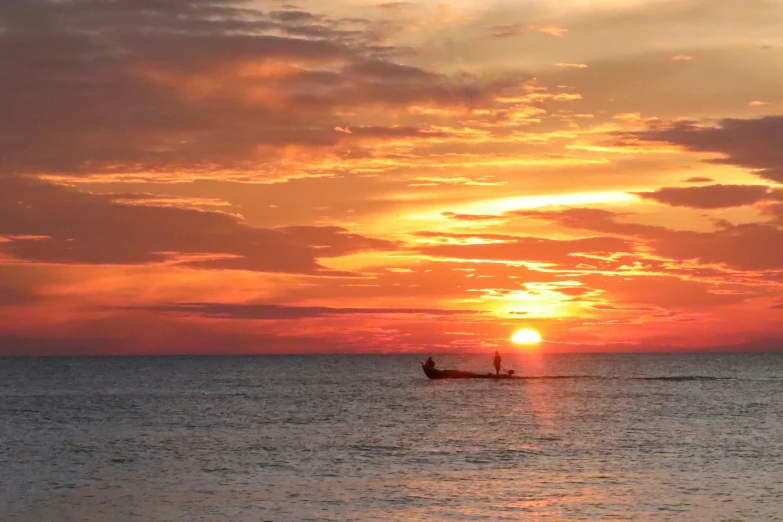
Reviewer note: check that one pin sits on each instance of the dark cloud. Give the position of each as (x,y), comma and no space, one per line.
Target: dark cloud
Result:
(282,312)
(54,224)
(96,82)
(750,246)
(529,249)
(749,143)
(585,218)
(300,17)
(385,70)
(667,292)
(709,196)
(774,211)
(698,179)
(203,85)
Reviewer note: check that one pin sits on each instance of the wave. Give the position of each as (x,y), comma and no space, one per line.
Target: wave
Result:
(675,378)
(687,378)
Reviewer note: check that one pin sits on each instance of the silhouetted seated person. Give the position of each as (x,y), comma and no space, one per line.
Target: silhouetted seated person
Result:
(430,364)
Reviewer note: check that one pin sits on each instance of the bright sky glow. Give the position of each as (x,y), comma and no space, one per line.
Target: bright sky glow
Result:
(350,176)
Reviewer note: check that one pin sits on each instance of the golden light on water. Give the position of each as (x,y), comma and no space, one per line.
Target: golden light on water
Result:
(526,336)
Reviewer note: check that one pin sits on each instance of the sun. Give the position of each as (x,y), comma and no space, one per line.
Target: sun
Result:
(526,336)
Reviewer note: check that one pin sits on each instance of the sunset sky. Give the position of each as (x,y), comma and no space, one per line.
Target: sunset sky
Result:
(205,176)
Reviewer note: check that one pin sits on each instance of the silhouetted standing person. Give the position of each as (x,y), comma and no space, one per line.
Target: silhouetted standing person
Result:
(496,362)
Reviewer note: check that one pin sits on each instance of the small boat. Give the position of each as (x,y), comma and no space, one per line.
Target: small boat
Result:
(432,373)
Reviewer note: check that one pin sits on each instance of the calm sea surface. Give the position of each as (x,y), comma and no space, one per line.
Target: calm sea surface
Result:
(592,437)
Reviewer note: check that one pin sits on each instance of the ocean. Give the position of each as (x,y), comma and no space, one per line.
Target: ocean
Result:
(336,437)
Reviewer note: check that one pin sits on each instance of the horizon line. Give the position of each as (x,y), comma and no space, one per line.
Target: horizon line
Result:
(712,350)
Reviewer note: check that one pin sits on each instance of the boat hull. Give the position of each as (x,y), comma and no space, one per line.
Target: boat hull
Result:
(460,374)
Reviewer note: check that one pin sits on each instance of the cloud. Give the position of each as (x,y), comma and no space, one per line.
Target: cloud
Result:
(141,198)
(682,58)
(709,196)
(196,88)
(381,103)
(60,225)
(523,249)
(750,246)
(517,29)
(473,217)
(662,293)
(748,143)
(283,312)
(507,30)
(410,284)
(384,70)
(394,5)
(294,16)
(548,29)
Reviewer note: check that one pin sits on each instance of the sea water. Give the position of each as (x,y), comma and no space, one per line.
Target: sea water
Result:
(590,437)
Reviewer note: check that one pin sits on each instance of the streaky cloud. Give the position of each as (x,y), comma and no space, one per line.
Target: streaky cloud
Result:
(285,312)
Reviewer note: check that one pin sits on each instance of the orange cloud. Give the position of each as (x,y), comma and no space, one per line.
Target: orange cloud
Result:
(548,29)
(517,29)
(381,178)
